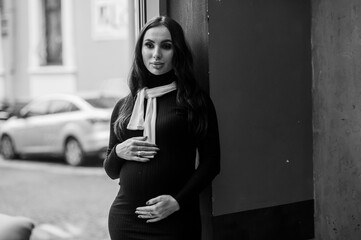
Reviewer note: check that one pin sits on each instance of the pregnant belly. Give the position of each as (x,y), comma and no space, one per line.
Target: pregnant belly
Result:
(142,181)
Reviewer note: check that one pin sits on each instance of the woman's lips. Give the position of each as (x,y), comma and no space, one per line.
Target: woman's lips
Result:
(157,65)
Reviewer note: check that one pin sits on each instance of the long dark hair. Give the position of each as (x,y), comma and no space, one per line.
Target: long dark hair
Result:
(189,94)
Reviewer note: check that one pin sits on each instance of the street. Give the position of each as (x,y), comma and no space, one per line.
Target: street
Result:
(65,202)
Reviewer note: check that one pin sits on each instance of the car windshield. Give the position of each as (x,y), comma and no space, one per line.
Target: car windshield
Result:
(102,102)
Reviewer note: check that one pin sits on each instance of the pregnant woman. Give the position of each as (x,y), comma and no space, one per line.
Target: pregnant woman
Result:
(155,134)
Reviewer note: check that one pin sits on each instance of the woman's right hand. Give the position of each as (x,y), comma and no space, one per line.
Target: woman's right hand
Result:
(136,149)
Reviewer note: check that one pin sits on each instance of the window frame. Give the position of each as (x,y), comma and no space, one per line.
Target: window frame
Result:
(36,21)
(48,13)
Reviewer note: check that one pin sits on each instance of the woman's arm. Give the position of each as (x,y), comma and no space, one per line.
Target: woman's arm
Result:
(209,159)
(131,149)
(112,163)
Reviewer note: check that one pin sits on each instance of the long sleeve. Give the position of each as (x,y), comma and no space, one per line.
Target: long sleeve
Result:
(171,171)
(112,163)
(209,160)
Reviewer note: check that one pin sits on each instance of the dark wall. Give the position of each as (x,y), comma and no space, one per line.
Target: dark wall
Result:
(260,82)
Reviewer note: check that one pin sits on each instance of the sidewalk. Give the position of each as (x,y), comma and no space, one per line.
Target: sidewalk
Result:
(65,202)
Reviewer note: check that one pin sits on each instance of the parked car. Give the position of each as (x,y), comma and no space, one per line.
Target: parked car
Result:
(8,110)
(4,114)
(73,126)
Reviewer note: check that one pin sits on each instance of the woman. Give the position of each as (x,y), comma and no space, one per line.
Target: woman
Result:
(154,137)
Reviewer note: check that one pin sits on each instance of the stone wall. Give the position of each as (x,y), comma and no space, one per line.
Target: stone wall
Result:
(336,42)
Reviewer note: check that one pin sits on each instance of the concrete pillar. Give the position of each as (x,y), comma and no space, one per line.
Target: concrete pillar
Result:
(8,51)
(336,40)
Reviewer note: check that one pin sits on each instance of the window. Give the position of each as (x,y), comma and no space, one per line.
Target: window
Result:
(51,39)
(102,102)
(110,19)
(35,109)
(52,34)
(3,19)
(61,106)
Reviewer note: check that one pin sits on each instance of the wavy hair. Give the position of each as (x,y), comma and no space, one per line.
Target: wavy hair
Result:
(189,94)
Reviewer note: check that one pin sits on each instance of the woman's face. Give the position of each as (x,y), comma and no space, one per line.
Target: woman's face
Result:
(157,50)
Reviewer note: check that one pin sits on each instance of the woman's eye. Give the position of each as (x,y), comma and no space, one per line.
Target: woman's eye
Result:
(167,46)
(148,44)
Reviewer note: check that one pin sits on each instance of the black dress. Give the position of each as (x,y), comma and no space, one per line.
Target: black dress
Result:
(172,172)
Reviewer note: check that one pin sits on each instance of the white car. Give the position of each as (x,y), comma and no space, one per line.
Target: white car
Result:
(67,125)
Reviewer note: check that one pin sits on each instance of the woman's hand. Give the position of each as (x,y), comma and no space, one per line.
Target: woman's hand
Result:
(136,149)
(158,208)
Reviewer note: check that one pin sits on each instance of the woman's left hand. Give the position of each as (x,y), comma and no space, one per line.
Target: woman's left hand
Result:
(158,208)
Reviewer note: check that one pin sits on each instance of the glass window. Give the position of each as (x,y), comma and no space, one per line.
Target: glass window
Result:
(102,102)
(3,19)
(61,106)
(36,109)
(52,34)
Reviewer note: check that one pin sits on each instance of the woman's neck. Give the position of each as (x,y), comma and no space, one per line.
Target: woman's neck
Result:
(160,80)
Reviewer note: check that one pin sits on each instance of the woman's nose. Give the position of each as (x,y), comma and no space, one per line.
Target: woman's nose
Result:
(157,53)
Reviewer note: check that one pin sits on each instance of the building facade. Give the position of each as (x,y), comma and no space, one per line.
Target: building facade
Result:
(66,46)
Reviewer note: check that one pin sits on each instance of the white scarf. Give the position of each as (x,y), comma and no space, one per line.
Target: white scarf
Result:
(137,120)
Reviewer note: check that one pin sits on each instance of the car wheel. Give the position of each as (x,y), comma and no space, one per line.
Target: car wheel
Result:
(73,152)
(7,148)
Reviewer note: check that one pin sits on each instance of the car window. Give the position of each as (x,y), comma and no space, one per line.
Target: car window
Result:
(37,108)
(61,106)
(102,102)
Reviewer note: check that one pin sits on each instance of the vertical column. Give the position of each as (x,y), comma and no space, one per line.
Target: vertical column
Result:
(68,34)
(8,50)
(2,70)
(131,28)
(34,7)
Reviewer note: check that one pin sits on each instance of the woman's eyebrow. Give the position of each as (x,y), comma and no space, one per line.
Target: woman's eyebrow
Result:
(150,40)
